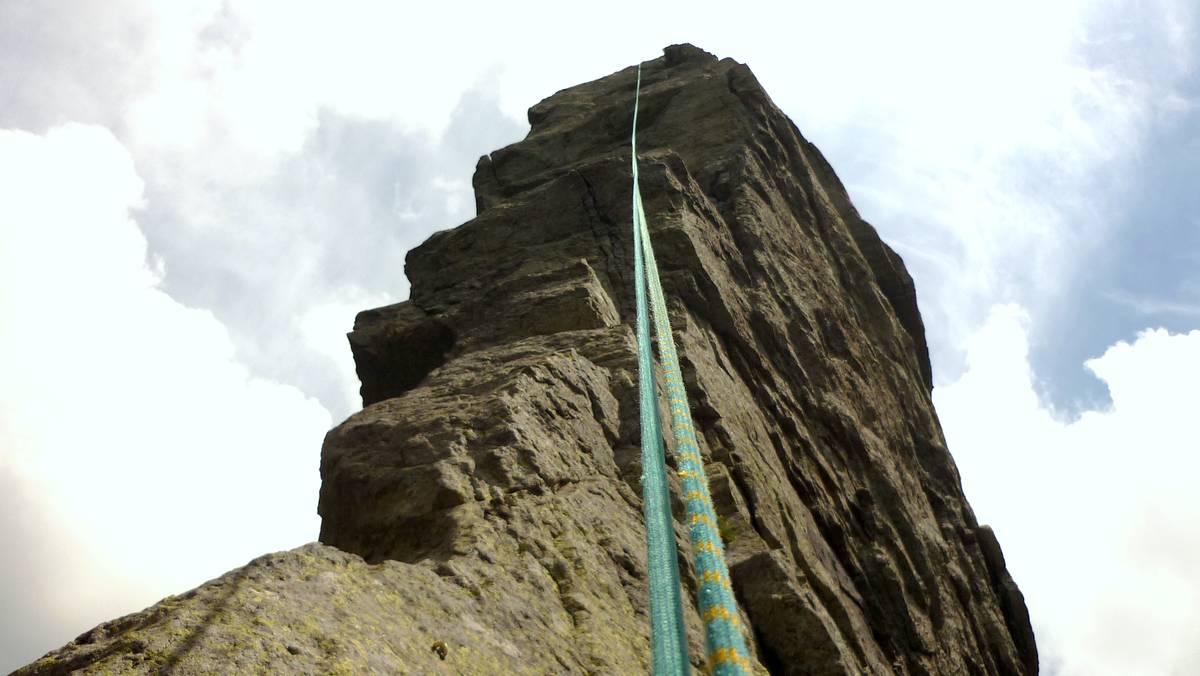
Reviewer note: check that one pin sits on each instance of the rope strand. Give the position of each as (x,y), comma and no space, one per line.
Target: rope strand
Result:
(727,654)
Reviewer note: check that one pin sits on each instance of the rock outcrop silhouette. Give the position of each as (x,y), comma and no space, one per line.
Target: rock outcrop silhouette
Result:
(482,513)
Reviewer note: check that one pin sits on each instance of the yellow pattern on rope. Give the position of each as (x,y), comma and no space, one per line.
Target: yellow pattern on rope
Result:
(714,576)
(728,656)
(720,613)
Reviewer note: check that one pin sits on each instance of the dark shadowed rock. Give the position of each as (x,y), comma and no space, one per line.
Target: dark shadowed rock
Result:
(491,482)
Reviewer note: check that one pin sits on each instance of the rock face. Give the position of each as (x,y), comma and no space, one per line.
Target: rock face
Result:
(491,483)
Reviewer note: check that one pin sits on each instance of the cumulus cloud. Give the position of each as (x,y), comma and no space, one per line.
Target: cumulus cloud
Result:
(329,224)
(995,164)
(333,139)
(81,62)
(291,154)
(139,457)
(1097,516)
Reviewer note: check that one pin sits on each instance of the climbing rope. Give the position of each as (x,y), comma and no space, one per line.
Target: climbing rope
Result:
(727,654)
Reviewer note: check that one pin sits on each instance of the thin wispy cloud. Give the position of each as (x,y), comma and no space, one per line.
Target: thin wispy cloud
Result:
(1156,306)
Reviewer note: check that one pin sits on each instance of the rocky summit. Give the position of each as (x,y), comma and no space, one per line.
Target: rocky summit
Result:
(482,513)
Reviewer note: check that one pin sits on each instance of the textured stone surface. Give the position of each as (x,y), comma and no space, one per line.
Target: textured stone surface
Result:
(315,610)
(495,464)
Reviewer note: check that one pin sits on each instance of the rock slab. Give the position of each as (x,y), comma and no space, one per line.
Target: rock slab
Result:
(487,497)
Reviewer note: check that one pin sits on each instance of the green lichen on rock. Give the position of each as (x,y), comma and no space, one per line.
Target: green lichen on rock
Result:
(312,610)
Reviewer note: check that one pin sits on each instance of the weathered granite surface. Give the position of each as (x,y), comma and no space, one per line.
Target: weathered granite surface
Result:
(490,484)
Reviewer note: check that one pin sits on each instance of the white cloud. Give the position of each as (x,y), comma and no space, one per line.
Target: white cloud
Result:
(148,454)
(1097,516)
(982,160)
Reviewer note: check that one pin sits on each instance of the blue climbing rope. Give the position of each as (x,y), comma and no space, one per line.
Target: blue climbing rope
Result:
(668,636)
(727,654)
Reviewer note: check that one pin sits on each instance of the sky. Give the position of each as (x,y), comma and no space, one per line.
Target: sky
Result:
(197,197)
